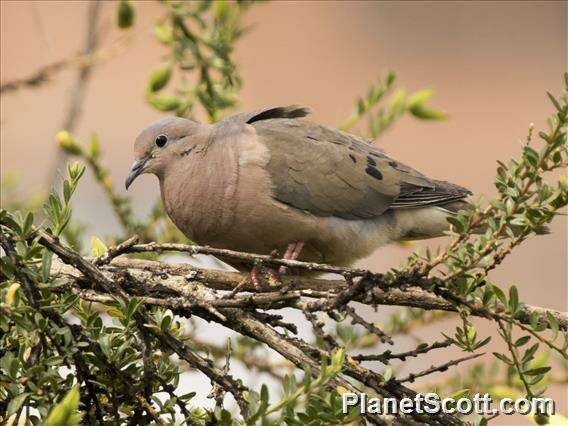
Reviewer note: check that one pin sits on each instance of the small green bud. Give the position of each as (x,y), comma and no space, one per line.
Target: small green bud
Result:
(68,144)
(163,102)
(418,108)
(94,147)
(427,113)
(420,97)
(222,10)
(125,14)
(98,247)
(159,78)
(75,170)
(398,99)
(164,33)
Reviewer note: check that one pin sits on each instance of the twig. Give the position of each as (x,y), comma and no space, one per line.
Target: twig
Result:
(47,72)
(79,89)
(413,376)
(372,328)
(166,339)
(306,286)
(34,296)
(245,257)
(246,323)
(386,356)
(115,251)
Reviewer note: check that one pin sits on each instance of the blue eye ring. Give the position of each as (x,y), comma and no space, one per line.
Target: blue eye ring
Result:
(161,140)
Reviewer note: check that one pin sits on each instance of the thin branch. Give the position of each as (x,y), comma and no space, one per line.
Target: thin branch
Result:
(116,251)
(413,376)
(297,351)
(372,328)
(387,356)
(79,89)
(47,72)
(316,288)
(167,339)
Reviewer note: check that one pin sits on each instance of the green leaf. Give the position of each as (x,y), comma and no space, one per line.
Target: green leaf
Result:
(553,324)
(65,412)
(500,295)
(28,224)
(387,374)
(163,102)
(554,101)
(125,14)
(537,371)
(530,352)
(66,191)
(159,78)
(425,112)
(11,293)
(97,247)
(522,341)
(503,358)
(46,265)
(483,342)
(16,402)
(164,33)
(420,97)
(460,393)
(488,295)
(513,299)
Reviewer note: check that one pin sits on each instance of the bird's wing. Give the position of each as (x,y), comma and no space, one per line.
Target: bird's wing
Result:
(332,173)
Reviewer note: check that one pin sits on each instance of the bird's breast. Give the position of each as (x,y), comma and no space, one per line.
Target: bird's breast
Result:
(199,194)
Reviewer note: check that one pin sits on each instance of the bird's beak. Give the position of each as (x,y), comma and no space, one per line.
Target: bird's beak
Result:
(136,170)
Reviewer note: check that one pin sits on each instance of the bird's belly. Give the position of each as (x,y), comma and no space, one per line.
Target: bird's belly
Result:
(265,228)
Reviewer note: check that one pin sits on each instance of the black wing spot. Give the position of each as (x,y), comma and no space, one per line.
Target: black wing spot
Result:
(374,154)
(373,172)
(353,158)
(312,138)
(393,163)
(371,162)
(186,151)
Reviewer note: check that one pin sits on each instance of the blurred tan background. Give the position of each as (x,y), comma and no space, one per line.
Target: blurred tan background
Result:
(490,64)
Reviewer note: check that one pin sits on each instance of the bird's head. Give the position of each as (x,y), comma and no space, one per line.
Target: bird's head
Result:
(160,143)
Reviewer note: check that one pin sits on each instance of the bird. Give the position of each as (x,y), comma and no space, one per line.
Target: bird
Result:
(271,181)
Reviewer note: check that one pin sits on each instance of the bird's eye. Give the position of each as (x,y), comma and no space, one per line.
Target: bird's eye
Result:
(161,140)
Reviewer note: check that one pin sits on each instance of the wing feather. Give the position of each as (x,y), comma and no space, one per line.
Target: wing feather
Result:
(331,173)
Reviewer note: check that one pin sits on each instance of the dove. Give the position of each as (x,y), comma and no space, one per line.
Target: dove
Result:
(270,180)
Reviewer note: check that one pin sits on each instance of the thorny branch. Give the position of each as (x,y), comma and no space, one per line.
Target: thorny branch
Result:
(90,281)
(188,290)
(381,291)
(91,272)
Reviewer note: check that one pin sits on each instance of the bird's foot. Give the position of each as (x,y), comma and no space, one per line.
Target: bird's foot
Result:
(260,282)
(255,278)
(292,252)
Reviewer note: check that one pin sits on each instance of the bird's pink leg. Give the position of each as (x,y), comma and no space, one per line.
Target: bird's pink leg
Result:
(292,253)
(289,251)
(255,277)
(297,250)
